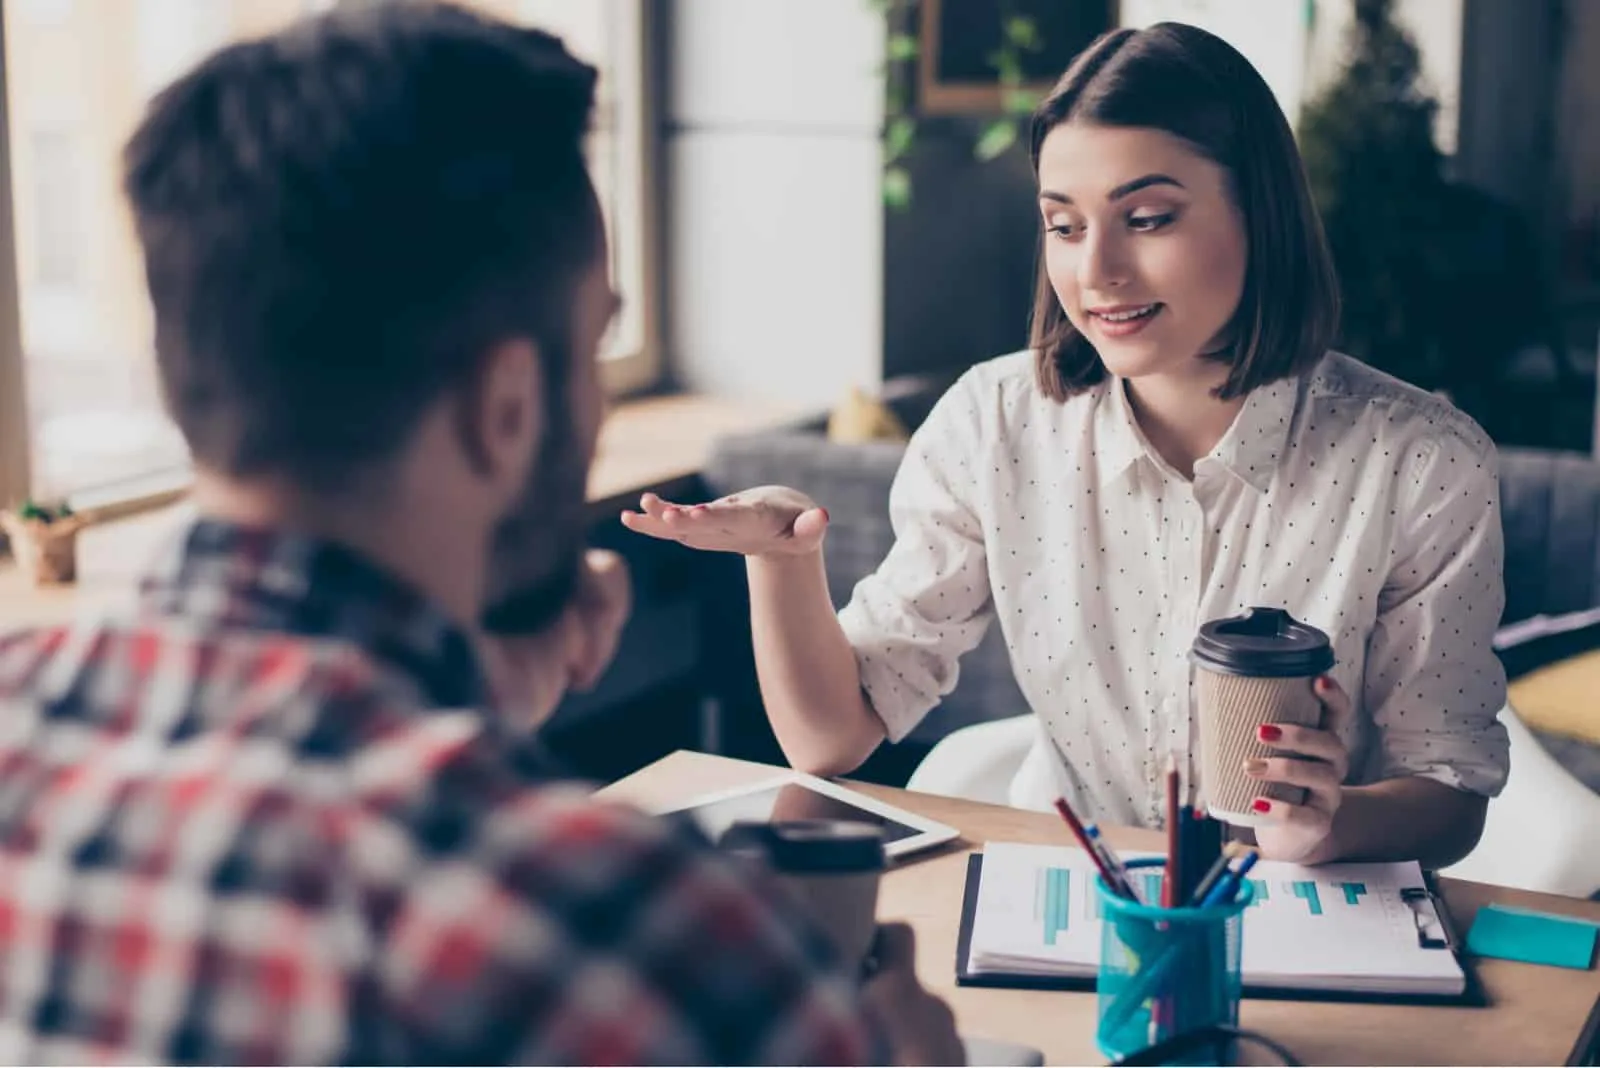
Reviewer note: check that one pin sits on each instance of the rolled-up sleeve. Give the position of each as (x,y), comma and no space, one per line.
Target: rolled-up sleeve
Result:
(929,602)
(1434,686)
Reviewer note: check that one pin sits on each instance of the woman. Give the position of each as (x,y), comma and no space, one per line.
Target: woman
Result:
(1177,445)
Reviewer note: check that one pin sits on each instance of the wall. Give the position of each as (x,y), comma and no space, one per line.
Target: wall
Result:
(959,260)
(1578,118)
(1508,92)
(773,217)
(1271,34)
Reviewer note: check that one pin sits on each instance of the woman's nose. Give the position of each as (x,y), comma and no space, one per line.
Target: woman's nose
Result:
(1102,264)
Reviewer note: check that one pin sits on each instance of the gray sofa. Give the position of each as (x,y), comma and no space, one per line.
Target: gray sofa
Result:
(1550,506)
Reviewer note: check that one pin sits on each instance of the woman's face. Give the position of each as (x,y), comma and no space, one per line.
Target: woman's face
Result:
(1144,245)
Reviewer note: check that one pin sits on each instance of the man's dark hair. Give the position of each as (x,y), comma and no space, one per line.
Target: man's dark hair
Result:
(339,220)
(1196,87)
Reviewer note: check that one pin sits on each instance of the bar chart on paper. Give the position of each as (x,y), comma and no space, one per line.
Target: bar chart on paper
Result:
(1055,902)
(1306,891)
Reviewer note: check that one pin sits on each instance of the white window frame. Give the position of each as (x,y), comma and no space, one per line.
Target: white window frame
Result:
(636,363)
(15,465)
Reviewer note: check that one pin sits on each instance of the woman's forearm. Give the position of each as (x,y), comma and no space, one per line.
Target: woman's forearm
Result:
(810,683)
(1405,819)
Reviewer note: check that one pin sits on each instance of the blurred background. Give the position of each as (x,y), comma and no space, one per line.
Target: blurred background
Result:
(812,196)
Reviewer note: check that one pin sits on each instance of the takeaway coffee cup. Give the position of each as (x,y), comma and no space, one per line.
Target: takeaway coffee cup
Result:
(1253,668)
(832,866)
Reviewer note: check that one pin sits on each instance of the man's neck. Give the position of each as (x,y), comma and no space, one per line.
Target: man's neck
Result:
(1180,416)
(443,564)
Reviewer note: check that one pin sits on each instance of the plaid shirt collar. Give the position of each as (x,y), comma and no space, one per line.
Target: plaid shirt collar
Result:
(218,576)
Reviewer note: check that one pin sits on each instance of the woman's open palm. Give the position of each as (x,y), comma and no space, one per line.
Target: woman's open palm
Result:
(765,521)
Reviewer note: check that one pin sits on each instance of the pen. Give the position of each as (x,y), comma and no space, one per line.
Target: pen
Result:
(1119,886)
(1227,887)
(1119,871)
(1214,873)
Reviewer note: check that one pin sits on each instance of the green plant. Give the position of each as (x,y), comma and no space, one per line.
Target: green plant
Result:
(32,511)
(1377,178)
(1019,34)
(1442,283)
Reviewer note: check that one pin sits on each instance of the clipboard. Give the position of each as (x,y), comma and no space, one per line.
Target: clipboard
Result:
(1429,911)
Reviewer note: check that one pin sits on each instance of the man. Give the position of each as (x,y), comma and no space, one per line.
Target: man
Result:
(270,816)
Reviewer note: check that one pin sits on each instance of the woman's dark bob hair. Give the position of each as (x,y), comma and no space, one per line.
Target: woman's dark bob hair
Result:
(1195,86)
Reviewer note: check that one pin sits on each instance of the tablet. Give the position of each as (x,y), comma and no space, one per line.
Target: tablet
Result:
(794,795)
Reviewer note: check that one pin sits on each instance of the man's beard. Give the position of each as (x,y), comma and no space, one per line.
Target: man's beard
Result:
(537,549)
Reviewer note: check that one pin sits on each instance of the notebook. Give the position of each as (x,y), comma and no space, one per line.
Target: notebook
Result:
(1362,931)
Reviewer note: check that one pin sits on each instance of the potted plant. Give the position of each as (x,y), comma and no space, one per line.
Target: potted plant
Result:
(1442,283)
(44,541)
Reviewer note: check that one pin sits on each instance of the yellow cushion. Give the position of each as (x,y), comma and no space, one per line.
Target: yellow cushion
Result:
(1562,698)
(860,417)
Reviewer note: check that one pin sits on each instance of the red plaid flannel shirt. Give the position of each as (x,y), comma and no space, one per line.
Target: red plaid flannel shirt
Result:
(263,819)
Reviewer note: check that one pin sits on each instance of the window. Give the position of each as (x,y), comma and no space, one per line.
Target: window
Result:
(77,331)
(612,36)
(56,174)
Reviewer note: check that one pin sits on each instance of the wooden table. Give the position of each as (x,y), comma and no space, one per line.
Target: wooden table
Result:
(1535,1014)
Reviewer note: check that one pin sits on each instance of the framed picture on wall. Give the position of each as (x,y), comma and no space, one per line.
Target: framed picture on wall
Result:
(956,71)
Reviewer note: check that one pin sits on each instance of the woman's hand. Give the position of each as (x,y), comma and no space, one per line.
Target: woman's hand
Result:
(1304,833)
(765,521)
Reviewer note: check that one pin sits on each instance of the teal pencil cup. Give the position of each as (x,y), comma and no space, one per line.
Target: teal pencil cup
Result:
(1165,972)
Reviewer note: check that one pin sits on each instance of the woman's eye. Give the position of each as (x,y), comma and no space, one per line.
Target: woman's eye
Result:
(1062,230)
(1147,223)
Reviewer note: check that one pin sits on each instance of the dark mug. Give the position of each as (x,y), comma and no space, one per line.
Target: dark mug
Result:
(833,867)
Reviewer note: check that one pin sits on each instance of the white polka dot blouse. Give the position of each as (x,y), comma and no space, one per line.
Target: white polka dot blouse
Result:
(1361,505)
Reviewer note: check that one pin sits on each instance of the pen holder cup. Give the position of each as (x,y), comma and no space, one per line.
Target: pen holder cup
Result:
(1165,972)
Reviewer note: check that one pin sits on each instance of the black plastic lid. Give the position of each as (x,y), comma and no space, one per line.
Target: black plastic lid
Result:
(1263,643)
(802,846)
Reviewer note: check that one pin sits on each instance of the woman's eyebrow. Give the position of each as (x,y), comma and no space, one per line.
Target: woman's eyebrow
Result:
(1125,189)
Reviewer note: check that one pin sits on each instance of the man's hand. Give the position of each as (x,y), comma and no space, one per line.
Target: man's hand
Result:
(531,673)
(1304,833)
(920,1026)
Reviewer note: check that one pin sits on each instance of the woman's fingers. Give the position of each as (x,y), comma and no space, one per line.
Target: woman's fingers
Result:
(1312,817)
(768,519)
(1338,709)
(653,505)
(643,523)
(1309,743)
(1315,776)
(808,527)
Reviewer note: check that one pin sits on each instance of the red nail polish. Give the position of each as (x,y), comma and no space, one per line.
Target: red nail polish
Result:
(1269,732)
(1261,804)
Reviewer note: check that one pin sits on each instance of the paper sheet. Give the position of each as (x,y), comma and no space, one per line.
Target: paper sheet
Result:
(1335,927)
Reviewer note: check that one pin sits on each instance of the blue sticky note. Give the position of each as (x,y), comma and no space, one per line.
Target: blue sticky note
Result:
(1534,937)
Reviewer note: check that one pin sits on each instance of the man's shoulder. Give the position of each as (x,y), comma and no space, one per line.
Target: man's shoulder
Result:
(562,829)
(23,652)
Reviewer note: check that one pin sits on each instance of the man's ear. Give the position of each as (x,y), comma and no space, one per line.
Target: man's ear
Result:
(500,416)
